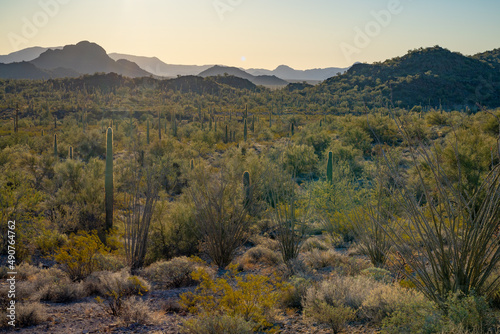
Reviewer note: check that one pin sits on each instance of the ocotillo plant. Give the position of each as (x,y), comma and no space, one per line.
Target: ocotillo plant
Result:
(108,181)
(55,145)
(246,188)
(329,168)
(71,152)
(245,130)
(147,132)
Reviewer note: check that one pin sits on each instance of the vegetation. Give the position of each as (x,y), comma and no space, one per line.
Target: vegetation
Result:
(337,205)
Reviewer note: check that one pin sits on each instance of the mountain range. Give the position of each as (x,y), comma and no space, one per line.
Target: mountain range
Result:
(264,80)
(71,59)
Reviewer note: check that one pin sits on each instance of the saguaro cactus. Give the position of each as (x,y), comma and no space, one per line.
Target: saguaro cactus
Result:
(291,129)
(147,131)
(71,152)
(108,181)
(329,167)
(192,164)
(245,130)
(55,145)
(227,138)
(16,120)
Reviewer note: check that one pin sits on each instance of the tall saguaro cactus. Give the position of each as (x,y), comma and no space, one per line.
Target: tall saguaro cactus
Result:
(71,152)
(329,168)
(108,181)
(55,145)
(245,132)
(147,132)
(16,120)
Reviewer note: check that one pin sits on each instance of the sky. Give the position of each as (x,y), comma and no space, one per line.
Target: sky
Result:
(302,34)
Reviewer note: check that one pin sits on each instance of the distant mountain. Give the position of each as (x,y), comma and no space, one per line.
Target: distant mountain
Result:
(26,70)
(27,54)
(87,58)
(426,77)
(157,67)
(265,80)
(287,73)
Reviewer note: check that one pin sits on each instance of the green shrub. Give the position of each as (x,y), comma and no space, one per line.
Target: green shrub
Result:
(341,264)
(292,297)
(115,287)
(79,256)
(252,297)
(378,274)
(62,291)
(336,317)
(175,273)
(260,254)
(208,324)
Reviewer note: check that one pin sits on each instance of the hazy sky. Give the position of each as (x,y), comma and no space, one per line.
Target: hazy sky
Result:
(254,33)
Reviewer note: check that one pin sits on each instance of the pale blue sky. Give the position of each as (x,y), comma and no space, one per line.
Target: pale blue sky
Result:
(254,33)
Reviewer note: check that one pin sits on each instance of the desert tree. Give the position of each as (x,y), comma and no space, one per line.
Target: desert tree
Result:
(221,212)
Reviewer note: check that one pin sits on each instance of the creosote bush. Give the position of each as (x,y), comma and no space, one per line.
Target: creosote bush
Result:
(79,256)
(252,297)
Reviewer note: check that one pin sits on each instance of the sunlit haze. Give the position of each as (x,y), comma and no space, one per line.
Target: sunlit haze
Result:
(254,33)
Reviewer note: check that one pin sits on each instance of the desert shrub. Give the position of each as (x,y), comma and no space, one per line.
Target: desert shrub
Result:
(207,324)
(47,276)
(340,291)
(378,274)
(336,317)
(314,243)
(463,314)
(173,232)
(292,297)
(341,264)
(109,262)
(50,240)
(299,159)
(221,213)
(175,273)
(115,287)
(470,312)
(62,291)
(383,300)
(136,311)
(26,270)
(260,254)
(252,297)
(30,314)
(79,256)
(414,317)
